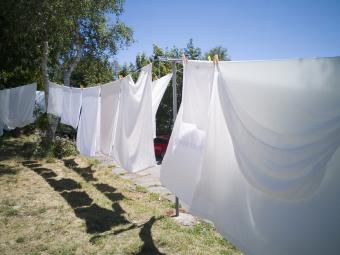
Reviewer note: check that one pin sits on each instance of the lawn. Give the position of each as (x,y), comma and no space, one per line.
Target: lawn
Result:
(77,206)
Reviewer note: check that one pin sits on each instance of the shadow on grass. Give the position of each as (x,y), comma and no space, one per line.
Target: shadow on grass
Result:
(109,192)
(145,235)
(4,169)
(97,219)
(85,172)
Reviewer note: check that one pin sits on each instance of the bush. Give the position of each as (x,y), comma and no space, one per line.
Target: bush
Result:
(44,149)
(42,123)
(64,148)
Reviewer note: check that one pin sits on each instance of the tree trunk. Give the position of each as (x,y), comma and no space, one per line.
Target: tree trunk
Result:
(44,69)
(69,71)
(52,121)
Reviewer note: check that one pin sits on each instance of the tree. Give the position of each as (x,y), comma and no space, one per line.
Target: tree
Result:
(221,52)
(192,52)
(92,70)
(54,36)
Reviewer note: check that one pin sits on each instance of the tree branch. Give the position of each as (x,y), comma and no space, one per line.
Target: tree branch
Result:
(73,65)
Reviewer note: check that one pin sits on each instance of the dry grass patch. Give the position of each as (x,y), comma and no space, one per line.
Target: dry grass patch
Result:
(73,206)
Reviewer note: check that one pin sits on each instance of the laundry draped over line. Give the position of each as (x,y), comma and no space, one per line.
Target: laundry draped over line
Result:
(89,123)
(110,95)
(133,145)
(72,101)
(17,106)
(55,99)
(158,89)
(256,149)
(125,114)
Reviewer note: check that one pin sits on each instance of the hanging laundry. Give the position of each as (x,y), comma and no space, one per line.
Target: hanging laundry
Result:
(4,108)
(269,171)
(55,99)
(40,101)
(89,124)
(133,143)
(110,94)
(182,160)
(158,89)
(21,106)
(72,101)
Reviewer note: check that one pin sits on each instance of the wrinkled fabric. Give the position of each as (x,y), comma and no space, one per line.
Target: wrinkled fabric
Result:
(158,89)
(21,106)
(110,94)
(185,149)
(72,101)
(88,128)
(269,171)
(55,99)
(133,143)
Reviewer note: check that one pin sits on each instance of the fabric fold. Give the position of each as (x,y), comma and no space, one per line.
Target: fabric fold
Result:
(158,89)
(88,128)
(268,172)
(21,106)
(55,99)
(71,105)
(110,95)
(133,143)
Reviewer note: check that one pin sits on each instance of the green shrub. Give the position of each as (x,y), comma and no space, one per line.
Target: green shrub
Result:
(42,122)
(44,149)
(64,148)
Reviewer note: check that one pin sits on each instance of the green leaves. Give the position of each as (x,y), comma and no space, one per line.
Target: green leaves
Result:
(221,52)
(72,28)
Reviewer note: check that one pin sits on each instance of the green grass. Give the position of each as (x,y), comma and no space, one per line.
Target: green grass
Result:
(49,208)
(141,189)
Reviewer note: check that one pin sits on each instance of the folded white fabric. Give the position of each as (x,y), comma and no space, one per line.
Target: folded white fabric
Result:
(71,104)
(133,143)
(55,99)
(268,175)
(110,94)
(158,89)
(88,129)
(21,106)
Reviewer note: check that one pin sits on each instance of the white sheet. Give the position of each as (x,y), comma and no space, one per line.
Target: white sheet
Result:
(110,94)
(72,101)
(185,150)
(158,89)
(40,100)
(133,144)
(88,129)
(269,171)
(4,108)
(21,106)
(55,99)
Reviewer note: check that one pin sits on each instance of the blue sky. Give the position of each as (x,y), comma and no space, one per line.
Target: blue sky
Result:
(250,30)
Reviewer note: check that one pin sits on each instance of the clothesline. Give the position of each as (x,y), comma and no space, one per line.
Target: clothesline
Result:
(255,147)
(103,118)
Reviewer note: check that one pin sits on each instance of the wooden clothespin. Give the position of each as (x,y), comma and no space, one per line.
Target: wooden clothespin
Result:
(184,58)
(216,59)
